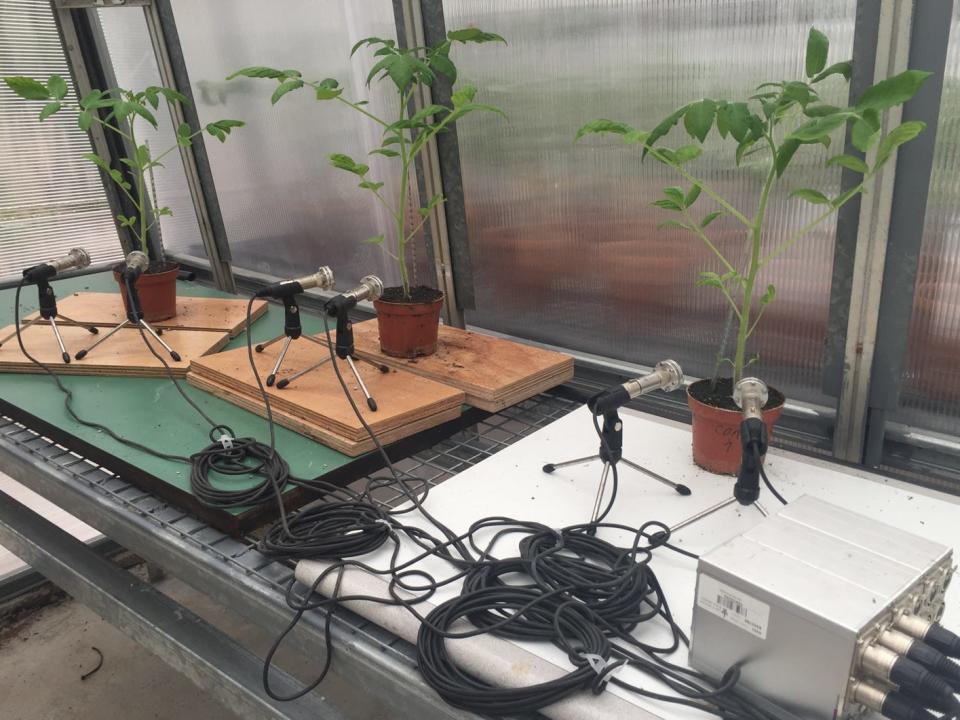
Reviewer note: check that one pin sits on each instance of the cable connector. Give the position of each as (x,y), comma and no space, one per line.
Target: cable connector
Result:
(933,634)
(890,703)
(920,652)
(909,675)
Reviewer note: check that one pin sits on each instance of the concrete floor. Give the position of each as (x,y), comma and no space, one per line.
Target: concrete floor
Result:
(44,654)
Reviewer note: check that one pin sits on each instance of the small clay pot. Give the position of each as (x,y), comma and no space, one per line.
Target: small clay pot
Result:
(157,291)
(408,329)
(716,430)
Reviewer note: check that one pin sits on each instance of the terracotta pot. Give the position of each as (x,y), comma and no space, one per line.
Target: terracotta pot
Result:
(408,330)
(157,291)
(716,434)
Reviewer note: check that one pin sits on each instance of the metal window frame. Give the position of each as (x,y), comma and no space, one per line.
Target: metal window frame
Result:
(90,65)
(911,34)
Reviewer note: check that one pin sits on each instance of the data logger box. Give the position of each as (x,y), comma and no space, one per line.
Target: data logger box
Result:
(795,598)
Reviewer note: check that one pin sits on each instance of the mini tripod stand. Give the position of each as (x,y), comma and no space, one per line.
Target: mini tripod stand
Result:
(746,491)
(48,311)
(344,349)
(611,452)
(292,330)
(134,318)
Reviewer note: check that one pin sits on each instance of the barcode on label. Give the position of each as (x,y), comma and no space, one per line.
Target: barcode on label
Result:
(731,604)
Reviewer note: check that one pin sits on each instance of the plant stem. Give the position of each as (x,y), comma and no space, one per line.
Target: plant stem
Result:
(756,237)
(402,204)
(141,182)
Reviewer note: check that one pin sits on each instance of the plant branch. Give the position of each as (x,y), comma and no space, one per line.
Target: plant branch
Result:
(695,226)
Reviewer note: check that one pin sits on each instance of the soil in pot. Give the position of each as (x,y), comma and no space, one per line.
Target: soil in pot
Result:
(408,325)
(157,289)
(716,424)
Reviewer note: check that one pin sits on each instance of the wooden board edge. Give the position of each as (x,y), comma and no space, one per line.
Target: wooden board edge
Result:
(345,445)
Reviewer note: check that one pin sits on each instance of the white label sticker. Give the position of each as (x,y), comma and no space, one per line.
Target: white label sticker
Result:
(734,606)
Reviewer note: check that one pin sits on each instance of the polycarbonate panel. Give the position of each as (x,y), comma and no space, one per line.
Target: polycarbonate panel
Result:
(930,394)
(135,68)
(51,199)
(565,244)
(286,210)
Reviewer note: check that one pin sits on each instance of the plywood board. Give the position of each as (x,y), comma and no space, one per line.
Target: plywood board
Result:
(493,372)
(317,398)
(294,422)
(123,354)
(193,313)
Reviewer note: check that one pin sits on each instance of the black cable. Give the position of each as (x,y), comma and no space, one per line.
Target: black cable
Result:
(766,480)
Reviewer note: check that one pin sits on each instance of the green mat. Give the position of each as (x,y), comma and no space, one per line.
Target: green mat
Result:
(151,410)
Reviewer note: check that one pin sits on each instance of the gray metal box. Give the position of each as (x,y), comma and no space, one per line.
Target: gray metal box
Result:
(795,597)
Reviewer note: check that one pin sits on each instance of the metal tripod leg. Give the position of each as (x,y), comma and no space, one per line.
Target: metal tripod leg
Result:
(23,326)
(56,333)
(92,329)
(603,486)
(371,403)
(550,467)
(263,346)
(677,487)
(272,377)
(282,383)
(83,353)
(710,511)
(156,336)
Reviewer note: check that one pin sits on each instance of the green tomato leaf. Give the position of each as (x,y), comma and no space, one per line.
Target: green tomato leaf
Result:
(370,185)
(820,110)
(686,153)
(709,279)
(710,217)
(810,195)
(667,204)
(285,87)
(444,65)
(819,127)
(892,91)
(664,127)
(675,194)
(328,89)
(27,88)
(844,68)
(345,162)
(386,152)
(817,47)
(259,71)
(785,154)
(48,110)
(897,137)
(866,130)
(375,240)
(738,115)
(692,196)
(601,126)
(463,96)
(850,162)
(57,87)
(698,119)
(84,120)
(474,35)
(769,296)
(673,224)
(635,137)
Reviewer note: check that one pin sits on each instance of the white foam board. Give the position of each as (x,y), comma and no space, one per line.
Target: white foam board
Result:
(512,483)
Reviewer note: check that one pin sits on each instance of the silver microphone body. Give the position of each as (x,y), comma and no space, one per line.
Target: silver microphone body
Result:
(321,279)
(135,265)
(76,258)
(370,288)
(667,376)
(751,394)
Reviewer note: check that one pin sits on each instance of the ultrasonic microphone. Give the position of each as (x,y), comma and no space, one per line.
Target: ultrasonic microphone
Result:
(321,279)
(76,258)
(750,394)
(135,265)
(370,288)
(667,376)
